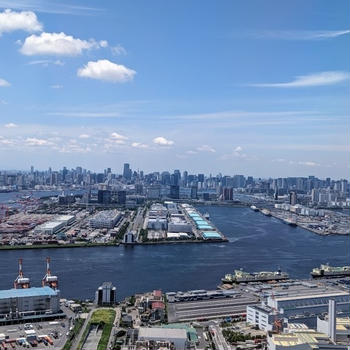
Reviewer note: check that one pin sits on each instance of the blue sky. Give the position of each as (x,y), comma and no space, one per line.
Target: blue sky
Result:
(251,87)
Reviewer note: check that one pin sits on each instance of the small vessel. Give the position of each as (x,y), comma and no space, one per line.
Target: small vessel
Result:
(330,271)
(290,221)
(253,207)
(228,279)
(266,212)
(241,276)
(206,216)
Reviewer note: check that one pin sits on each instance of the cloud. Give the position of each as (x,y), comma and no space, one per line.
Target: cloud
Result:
(162,141)
(4,82)
(308,163)
(116,136)
(24,20)
(206,148)
(301,34)
(139,145)
(316,79)
(107,71)
(85,114)
(11,125)
(191,152)
(84,136)
(118,50)
(32,141)
(56,86)
(48,7)
(236,153)
(59,44)
(45,63)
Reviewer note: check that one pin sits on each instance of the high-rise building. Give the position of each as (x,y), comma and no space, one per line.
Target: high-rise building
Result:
(292,198)
(127,171)
(175,191)
(106,294)
(227,193)
(194,191)
(121,197)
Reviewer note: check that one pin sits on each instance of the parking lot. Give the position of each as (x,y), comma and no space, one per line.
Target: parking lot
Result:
(50,334)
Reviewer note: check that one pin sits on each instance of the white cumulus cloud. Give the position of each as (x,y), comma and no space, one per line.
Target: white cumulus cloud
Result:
(116,136)
(24,20)
(107,71)
(84,136)
(316,79)
(32,141)
(4,82)
(59,44)
(11,125)
(206,148)
(139,145)
(162,141)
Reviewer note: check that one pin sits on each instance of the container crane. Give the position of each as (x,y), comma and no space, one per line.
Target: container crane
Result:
(21,282)
(49,280)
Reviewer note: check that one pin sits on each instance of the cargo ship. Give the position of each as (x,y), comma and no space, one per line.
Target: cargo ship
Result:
(330,271)
(253,207)
(266,212)
(241,276)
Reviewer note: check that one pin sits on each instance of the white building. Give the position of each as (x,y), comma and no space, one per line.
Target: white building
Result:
(157,224)
(49,228)
(105,219)
(177,336)
(28,303)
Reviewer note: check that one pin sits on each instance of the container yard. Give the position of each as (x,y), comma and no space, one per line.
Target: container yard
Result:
(178,222)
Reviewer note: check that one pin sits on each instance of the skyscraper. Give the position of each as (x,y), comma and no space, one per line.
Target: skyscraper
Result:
(127,171)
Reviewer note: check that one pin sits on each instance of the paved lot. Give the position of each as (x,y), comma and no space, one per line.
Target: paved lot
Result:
(41,328)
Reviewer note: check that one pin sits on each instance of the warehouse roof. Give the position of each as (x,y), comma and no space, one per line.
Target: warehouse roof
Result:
(211,234)
(162,333)
(26,292)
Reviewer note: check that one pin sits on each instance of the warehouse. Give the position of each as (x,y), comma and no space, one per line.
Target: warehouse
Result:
(29,303)
(49,228)
(105,219)
(174,335)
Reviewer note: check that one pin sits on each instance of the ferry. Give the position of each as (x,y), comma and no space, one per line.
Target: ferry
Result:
(253,207)
(330,271)
(241,276)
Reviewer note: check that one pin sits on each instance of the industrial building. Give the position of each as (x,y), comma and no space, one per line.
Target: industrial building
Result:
(178,223)
(51,227)
(106,294)
(105,219)
(173,335)
(296,309)
(28,304)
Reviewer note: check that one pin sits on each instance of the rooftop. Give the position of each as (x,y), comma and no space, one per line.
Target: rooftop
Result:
(162,333)
(27,292)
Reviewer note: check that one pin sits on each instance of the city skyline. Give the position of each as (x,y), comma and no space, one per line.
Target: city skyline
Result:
(225,89)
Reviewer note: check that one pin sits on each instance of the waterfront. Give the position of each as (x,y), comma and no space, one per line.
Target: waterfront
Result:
(256,242)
